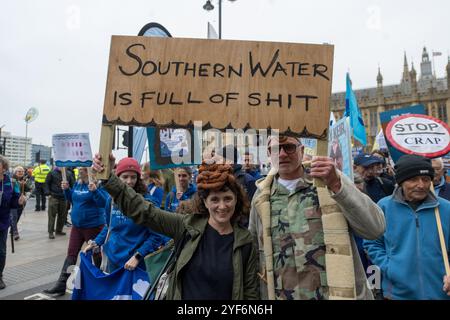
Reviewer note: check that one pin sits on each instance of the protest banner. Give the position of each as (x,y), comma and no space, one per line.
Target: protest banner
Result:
(72,150)
(425,136)
(172,148)
(91,283)
(419,134)
(237,84)
(387,116)
(340,146)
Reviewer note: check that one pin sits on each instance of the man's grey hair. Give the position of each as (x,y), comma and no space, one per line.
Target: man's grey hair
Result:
(440,161)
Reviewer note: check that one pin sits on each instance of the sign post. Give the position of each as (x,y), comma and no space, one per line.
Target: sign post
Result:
(424,136)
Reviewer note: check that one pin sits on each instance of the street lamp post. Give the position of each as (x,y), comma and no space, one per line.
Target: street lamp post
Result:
(208,6)
(31,115)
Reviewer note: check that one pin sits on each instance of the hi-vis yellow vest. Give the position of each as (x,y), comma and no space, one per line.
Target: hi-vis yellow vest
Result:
(40,173)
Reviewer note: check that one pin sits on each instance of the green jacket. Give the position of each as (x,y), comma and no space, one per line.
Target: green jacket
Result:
(133,205)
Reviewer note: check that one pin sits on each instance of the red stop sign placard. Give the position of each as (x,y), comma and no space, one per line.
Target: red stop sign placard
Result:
(419,134)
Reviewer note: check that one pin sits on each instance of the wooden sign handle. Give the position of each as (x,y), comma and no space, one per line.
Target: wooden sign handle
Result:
(177,183)
(106,142)
(90,175)
(441,235)
(322,151)
(63,174)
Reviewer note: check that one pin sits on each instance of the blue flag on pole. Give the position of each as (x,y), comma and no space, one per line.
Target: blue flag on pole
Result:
(352,111)
(139,142)
(92,284)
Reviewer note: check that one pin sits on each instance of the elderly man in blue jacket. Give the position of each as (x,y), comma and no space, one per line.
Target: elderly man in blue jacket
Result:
(409,253)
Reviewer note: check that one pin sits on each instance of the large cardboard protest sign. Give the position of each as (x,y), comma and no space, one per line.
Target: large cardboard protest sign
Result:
(223,84)
(72,150)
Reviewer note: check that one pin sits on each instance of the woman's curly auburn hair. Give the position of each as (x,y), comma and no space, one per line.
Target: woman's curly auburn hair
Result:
(220,178)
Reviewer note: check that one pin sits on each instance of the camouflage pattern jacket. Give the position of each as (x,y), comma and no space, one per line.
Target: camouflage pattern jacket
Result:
(297,236)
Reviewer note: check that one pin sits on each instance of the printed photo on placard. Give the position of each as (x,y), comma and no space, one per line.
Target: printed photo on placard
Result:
(172,147)
(340,148)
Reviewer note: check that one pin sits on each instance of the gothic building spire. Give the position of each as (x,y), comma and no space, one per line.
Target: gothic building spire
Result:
(405,77)
(379,77)
(425,66)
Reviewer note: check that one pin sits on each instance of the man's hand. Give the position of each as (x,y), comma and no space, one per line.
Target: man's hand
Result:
(179,195)
(91,245)
(324,168)
(92,187)
(131,264)
(22,200)
(446,287)
(97,163)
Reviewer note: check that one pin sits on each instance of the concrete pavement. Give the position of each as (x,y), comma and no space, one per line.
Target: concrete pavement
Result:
(37,261)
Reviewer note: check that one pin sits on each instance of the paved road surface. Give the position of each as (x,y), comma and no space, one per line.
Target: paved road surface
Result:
(37,260)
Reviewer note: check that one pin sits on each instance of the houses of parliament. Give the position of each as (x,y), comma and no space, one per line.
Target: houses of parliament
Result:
(413,89)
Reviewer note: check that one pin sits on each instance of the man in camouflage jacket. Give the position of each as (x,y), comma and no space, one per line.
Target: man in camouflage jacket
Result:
(296,232)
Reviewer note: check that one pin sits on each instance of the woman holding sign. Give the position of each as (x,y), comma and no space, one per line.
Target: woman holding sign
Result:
(218,260)
(88,219)
(125,243)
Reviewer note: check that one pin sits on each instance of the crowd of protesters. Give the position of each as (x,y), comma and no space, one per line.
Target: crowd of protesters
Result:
(219,210)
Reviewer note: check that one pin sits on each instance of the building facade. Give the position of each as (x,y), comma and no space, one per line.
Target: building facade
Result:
(17,149)
(426,89)
(40,152)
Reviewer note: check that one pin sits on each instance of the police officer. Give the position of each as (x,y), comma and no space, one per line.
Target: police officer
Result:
(40,174)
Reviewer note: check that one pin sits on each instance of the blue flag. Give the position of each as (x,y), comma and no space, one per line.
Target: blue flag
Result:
(92,284)
(352,111)
(139,142)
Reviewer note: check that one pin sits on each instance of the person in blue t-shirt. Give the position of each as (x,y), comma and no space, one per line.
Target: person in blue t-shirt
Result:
(88,219)
(187,189)
(250,167)
(125,243)
(154,181)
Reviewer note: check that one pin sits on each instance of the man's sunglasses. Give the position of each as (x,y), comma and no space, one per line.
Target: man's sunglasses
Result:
(289,148)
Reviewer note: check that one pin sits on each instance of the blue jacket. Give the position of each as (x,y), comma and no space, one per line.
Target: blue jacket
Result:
(154,194)
(126,238)
(443,189)
(409,253)
(246,180)
(88,208)
(171,200)
(9,200)
(254,173)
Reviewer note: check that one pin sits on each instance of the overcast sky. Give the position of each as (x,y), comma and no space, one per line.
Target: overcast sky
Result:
(54,53)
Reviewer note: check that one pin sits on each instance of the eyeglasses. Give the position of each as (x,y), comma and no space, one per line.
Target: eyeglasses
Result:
(289,148)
